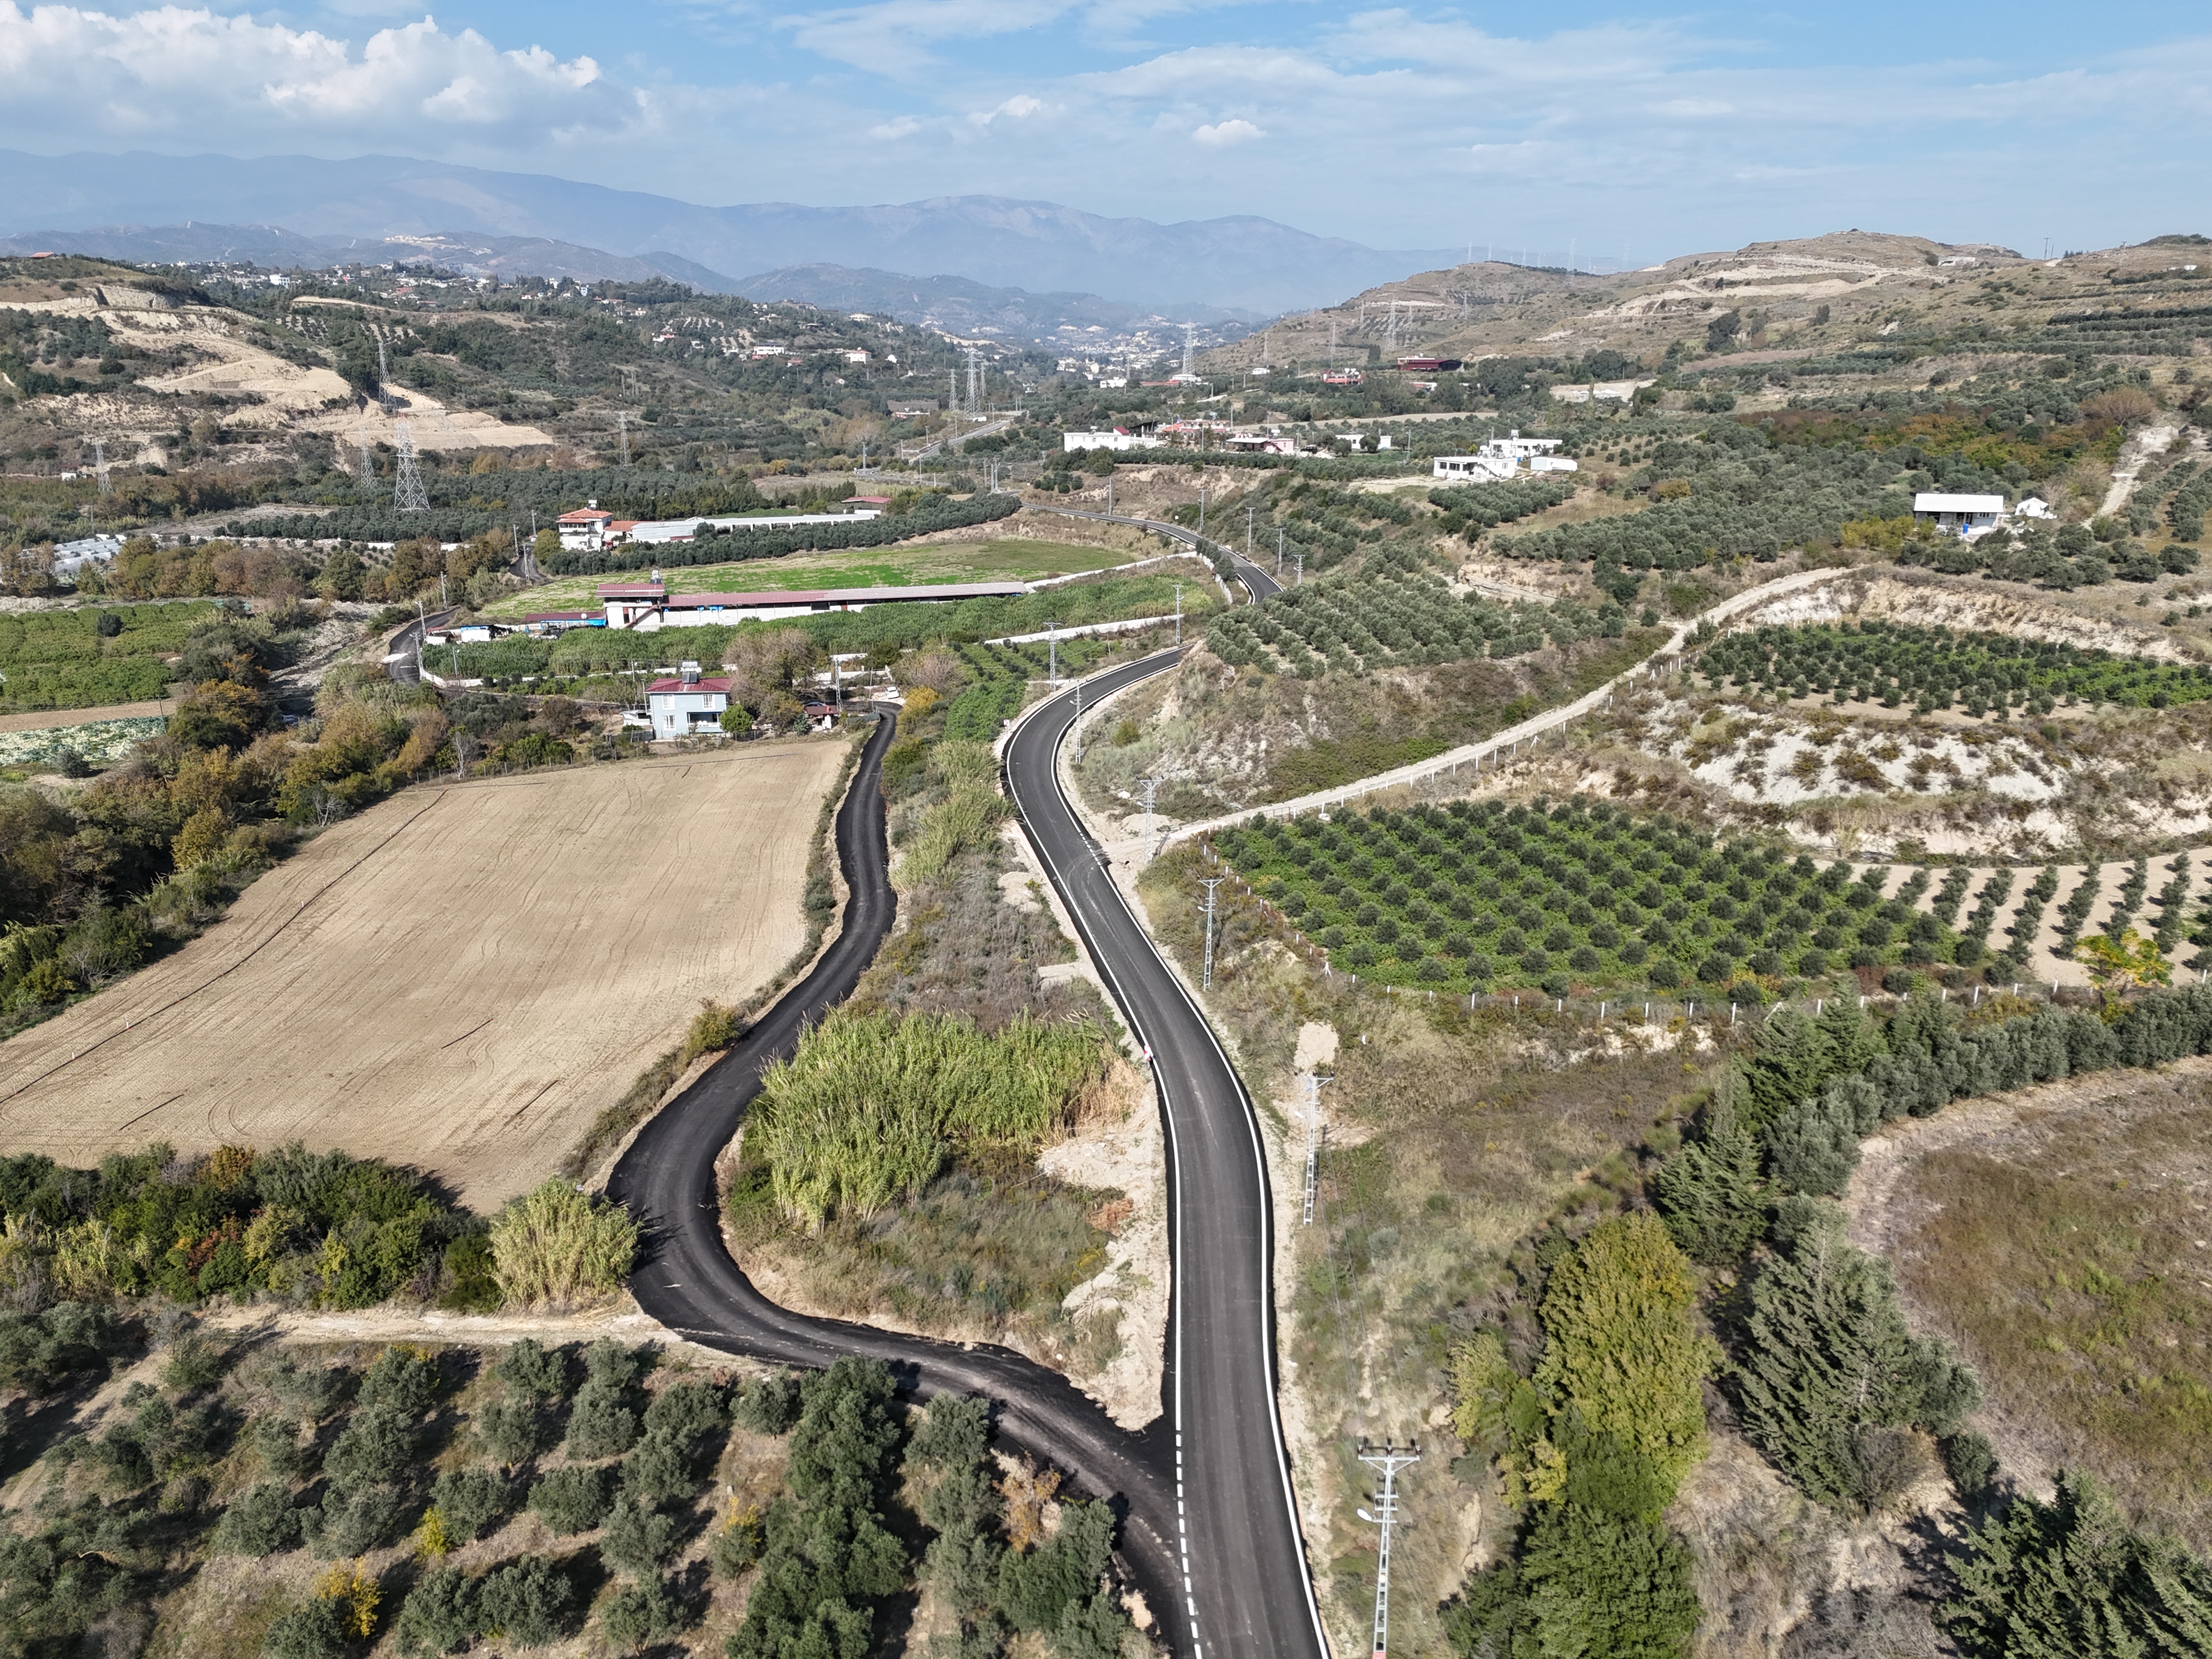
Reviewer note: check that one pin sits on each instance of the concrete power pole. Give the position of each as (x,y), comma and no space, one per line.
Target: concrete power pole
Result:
(1389,1460)
(1313,1140)
(1178,587)
(1151,790)
(1209,883)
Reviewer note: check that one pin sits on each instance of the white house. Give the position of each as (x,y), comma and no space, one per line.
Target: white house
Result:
(586,528)
(1957,515)
(1072,442)
(687,705)
(1504,458)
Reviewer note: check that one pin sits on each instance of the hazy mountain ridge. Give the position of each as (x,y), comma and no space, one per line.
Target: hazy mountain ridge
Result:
(1242,262)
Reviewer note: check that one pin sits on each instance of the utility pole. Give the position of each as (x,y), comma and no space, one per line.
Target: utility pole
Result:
(1313,1139)
(1151,787)
(1389,1460)
(1201,512)
(1052,651)
(1178,587)
(1278,553)
(1302,569)
(1248,511)
(1110,498)
(1209,883)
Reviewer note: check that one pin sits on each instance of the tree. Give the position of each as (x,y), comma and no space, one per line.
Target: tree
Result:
(1814,1146)
(1829,1361)
(1710,1192)
(736,721)
(2069,1580)
(572,1499)
(1622,1346)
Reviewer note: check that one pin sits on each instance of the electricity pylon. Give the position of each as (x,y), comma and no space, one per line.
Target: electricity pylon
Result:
(407,495)
(1389,1460)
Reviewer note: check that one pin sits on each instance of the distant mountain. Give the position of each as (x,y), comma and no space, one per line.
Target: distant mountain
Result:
(272,244)
(961,306)
(1244,263)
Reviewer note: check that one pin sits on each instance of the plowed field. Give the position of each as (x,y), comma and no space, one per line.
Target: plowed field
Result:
(458,979)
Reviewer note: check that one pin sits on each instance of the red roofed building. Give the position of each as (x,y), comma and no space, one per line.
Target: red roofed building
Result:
(585,529)
(687,705)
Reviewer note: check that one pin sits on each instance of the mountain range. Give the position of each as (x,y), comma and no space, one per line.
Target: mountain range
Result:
(1241,263)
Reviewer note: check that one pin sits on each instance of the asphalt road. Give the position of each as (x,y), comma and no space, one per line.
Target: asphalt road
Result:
(1242,1557)
(689,1282)
(1256,581)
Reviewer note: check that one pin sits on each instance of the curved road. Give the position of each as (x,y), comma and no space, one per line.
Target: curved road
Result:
(1257,582)
(689,1282)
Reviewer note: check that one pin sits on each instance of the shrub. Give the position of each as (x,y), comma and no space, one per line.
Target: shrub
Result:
(276,1441)
(556,1246)
(473,1501)
(259,1520)
(526,1601)
(571,1500)
(770,1406)
(736,1545)
(375,1445)
(439,1615)
(528,1368)
(310,1390)
(600,1423)
(639,1612)
(1971,1463)
(318,1630)
(636,1539)
(404,1379)
(354,1522)
(510,1431)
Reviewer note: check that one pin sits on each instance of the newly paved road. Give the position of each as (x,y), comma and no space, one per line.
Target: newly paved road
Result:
(1257,582)
(1242,1557)
(689,1282)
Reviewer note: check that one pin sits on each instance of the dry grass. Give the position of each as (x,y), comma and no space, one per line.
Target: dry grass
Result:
(459,979)
(2068,1250)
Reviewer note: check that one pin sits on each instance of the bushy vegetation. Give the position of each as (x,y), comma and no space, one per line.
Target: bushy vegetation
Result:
(321,1229)
(1595,1443)
(1482,894)
(1732,494)
(91,655)
(554,1246)
(1937,668)
(1395,613)
(872,1106)
(1471,510)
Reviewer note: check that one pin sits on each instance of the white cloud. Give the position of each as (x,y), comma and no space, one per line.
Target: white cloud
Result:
(172,74)
(1017,108)
(1234,131)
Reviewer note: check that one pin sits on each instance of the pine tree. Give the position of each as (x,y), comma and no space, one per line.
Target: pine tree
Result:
(1828,1359)
(2069,1580)
(1814,1147)
(1710,1193)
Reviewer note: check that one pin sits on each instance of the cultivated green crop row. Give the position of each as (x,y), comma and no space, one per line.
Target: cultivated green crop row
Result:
(1479,895)
(61,658)
(1395,613)
(1935,668)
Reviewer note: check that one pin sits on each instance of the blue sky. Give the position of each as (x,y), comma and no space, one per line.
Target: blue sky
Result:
(1632,131)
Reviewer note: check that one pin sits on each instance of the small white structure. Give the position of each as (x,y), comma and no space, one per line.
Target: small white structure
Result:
(2034,507)
(1504,458)
(655,531)
(687,705)
(1073,443)
(585,529)
(1957,515)
(70,557)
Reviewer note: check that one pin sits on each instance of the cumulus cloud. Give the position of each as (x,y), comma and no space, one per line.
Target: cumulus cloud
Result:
(1018,108)
(173,73)
(1236,131)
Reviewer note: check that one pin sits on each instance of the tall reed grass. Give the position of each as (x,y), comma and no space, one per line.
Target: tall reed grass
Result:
(872,1105)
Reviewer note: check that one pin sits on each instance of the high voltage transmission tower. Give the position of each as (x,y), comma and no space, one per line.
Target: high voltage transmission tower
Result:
(383,374)
(367,460)
(1209,883)
(100,461)
(407,495)
(621,428)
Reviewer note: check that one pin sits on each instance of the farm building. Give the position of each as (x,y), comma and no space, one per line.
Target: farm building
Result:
(1503,458)
(1957,515)
(648,606)
(1072,442)
(687,705)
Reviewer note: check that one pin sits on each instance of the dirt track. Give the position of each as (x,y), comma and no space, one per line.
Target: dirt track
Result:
(458,979)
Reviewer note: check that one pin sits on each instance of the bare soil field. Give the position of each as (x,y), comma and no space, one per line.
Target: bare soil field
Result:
(458,979)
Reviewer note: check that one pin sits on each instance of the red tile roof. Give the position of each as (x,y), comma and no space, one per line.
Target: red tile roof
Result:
(721,685)
(633,590)
(584,515)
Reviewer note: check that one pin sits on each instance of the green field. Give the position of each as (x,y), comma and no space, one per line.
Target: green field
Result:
(1003,559)
(59,659)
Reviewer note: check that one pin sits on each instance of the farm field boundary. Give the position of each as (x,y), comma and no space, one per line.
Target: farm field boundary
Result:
(458,979)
